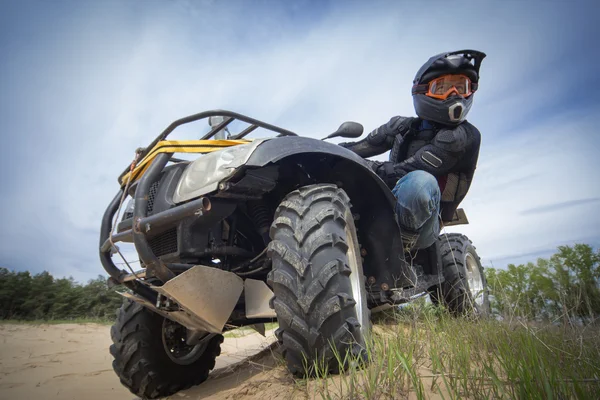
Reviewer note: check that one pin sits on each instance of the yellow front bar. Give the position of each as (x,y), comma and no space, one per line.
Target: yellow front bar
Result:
(179,146)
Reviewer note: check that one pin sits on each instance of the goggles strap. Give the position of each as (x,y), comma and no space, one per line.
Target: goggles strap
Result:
(416,89)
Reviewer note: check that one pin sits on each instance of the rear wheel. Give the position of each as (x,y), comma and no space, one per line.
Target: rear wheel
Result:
(318,281)
(464,291)
(151,356)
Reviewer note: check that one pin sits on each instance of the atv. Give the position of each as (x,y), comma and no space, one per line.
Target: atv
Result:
(287,228)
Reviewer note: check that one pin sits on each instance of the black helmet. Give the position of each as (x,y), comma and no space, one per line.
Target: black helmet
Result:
(451,110)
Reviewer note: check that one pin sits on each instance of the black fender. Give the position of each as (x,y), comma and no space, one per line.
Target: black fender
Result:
(373,203)
(274,150)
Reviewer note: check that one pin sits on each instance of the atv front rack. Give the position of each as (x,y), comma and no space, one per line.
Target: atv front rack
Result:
(142,223)
(228,118)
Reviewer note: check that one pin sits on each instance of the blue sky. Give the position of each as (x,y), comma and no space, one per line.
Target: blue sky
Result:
(82,84)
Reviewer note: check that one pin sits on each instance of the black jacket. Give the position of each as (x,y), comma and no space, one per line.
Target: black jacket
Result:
(448,153)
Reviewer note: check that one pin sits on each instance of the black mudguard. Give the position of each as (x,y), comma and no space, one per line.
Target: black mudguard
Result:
(373,202)
(277,149)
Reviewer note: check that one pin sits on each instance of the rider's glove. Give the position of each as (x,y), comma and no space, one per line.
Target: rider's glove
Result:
(385,170)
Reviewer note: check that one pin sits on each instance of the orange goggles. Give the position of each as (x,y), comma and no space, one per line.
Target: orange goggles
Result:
(444,86)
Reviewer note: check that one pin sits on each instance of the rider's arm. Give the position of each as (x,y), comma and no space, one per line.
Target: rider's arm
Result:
(381,139)
(438,158)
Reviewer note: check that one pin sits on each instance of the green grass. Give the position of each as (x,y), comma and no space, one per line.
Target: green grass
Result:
(425,353)
(57,321)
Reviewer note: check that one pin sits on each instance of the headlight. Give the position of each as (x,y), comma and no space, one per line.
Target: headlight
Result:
(203,175)
(128,213)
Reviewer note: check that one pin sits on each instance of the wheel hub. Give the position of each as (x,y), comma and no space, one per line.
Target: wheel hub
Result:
(358,290)
(474,279)
(174,338)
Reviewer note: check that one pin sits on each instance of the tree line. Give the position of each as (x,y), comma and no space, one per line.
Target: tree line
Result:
(42,297)
(564,288)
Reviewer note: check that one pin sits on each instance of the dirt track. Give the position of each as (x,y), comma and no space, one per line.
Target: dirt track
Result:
(72,362)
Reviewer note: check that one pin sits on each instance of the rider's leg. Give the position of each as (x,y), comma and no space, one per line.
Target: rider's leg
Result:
(417,208)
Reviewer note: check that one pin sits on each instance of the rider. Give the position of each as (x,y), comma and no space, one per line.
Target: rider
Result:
(433,157)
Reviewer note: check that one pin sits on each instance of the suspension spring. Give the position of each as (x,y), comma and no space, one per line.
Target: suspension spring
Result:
(261,217)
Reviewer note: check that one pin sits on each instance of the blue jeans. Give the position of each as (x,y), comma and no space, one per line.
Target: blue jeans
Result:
(417,208)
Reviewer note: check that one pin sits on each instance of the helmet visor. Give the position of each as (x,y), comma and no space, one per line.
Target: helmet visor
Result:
(444,86)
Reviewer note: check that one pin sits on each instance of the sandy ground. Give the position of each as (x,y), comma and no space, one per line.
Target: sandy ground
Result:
(72,362)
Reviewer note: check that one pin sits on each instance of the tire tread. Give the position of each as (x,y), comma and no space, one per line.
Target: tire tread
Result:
(310,278)
(454,292)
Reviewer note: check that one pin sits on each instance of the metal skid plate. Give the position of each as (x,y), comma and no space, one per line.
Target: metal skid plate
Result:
(260,328)
(185,319)
(257,296)
(208,294)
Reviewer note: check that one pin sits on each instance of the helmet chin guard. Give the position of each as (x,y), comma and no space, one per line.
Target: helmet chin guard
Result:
(455,112)
(451,111)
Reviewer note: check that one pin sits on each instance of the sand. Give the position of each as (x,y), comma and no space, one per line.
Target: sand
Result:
(71,361)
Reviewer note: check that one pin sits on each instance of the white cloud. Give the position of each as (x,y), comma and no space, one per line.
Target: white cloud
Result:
(112,84)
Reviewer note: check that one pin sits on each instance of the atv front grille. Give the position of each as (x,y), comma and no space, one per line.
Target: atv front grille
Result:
(152,196)
(165,243)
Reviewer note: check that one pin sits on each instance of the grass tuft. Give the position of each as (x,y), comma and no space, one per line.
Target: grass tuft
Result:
(422,352)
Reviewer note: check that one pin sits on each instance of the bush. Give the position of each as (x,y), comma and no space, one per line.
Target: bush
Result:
(564,288)
(42,297)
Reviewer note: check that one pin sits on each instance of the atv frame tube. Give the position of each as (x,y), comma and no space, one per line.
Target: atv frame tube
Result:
(117,275)
(105,245)
(154,265)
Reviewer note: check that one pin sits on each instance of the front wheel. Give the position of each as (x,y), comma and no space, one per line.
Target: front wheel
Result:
(318,282)
(151,356)
(464,291)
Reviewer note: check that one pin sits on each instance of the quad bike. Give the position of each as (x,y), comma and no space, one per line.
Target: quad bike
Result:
(288,228)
